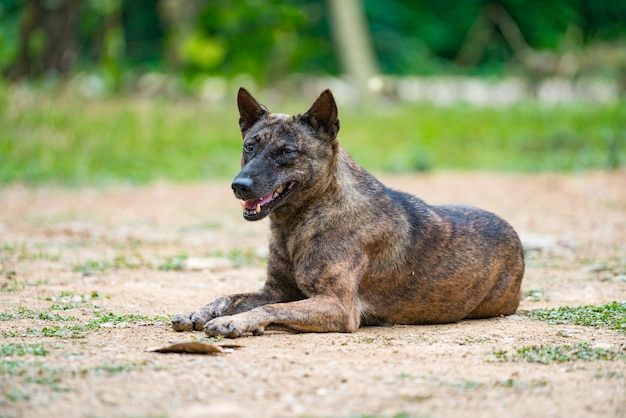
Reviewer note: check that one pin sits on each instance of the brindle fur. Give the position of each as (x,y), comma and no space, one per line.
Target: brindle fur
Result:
(347,251)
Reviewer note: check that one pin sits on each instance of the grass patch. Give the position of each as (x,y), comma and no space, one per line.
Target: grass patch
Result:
(243,257)
(54,138)
(113,369)
(211,340)
(535,295)
(175,263)
(77,331)
(371,339)
(612,315)
(25,373)
(21,349)
(545,354)
(10,255)
(91,267)
(26,313)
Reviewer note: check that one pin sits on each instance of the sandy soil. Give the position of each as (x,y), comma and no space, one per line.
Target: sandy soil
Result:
(50,235)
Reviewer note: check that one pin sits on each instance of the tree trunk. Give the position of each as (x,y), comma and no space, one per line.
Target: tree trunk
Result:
(47,42)
(352,38)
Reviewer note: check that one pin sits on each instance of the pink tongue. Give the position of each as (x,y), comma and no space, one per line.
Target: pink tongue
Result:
(251,204)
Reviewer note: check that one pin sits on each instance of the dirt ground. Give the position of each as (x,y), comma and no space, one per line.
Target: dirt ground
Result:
(83,252)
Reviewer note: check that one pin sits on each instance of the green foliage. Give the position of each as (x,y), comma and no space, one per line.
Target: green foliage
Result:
(9,22)
(612,315)
(238,40)
(545,354)
(270,39)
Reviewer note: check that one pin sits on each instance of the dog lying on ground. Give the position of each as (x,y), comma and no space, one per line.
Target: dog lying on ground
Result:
(347,251)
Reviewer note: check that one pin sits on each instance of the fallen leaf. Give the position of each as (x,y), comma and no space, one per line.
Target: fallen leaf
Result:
(194,347)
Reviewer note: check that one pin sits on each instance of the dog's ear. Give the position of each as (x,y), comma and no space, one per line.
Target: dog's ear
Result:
(250,111)
(323,114)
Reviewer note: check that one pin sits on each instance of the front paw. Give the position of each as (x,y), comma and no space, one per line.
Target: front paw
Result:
(195,320)
(189,321)
(232,327)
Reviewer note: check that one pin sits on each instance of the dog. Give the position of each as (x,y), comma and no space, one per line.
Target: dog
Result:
(347,251)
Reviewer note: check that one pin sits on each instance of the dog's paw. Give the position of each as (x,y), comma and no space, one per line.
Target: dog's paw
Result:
(189,321)
(195,320)
(182,322)
(232,327)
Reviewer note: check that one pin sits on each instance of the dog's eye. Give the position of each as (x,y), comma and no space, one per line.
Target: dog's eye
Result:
(287,151)
(248,147)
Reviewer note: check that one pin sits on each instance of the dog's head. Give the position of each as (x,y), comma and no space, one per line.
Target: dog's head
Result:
(285,158)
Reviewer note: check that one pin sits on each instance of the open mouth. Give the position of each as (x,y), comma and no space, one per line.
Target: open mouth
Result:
(255,209)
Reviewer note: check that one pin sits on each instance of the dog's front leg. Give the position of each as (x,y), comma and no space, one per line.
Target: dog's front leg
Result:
(331,306)
(272,292)
(317,314)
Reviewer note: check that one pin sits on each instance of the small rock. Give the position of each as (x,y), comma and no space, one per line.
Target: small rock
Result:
(596,268)
(536,242)
(602,345)
(568,332)
(211,263)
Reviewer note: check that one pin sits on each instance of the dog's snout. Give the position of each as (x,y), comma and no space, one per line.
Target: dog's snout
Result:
(242,186)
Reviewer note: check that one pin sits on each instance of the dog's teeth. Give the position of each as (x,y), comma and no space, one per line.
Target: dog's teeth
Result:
(280,189)
(243,205)
(258,207)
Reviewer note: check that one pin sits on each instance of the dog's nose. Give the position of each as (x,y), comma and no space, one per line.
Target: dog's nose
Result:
(242,186)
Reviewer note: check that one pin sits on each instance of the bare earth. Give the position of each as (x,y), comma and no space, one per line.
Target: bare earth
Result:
(49,235)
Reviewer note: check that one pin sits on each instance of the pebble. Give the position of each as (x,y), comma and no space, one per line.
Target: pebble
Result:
(568,332)
(602,345)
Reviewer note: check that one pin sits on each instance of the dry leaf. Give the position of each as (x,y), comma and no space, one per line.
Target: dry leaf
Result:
(192,347)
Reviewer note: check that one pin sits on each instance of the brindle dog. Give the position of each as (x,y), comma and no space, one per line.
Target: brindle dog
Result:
(345,250)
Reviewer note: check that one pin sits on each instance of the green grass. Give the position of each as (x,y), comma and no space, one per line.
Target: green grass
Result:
(20,349)
(612,315)
(546,354)
(72,328)
(175,263)
(26,313)
(48,138)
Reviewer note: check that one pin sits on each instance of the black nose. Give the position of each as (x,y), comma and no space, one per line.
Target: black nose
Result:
(242,186)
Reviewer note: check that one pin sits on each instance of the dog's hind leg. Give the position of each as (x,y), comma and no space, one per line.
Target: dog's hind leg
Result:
(503,298)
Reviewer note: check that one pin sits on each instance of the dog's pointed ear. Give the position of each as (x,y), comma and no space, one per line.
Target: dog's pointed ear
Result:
(323,114)
(250,111)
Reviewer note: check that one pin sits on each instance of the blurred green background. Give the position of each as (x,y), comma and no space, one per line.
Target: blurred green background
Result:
(103,91)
